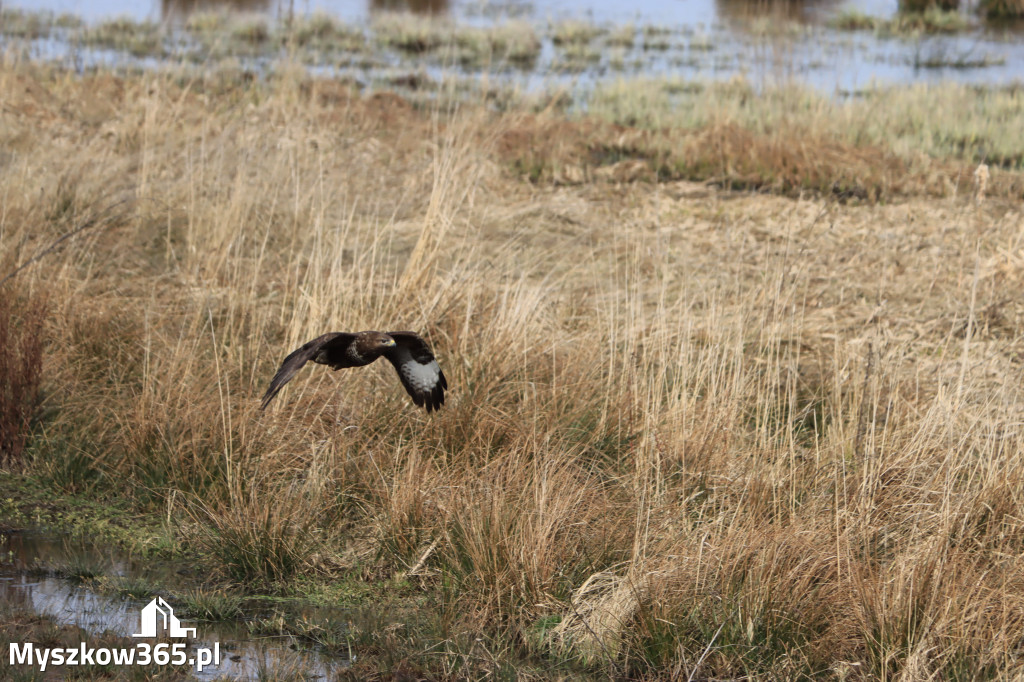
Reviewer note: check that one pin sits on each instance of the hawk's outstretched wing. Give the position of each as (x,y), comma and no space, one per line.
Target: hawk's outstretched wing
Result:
(334,343)
(418,370)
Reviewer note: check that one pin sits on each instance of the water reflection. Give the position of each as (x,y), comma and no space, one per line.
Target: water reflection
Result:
(27,584)
(68,604)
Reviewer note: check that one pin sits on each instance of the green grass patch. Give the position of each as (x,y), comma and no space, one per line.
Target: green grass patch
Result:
(130,587)
(28,501)
(211,604)
(78,569)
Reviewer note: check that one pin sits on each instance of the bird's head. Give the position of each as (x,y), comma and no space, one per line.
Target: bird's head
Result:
(374,343)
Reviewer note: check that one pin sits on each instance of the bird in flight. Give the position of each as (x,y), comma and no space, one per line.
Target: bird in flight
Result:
(407,351)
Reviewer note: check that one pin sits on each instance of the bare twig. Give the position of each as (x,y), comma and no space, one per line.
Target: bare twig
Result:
(103,216)
(707,650)
(423,559)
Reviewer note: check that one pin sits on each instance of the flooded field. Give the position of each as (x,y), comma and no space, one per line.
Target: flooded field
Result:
(568,45)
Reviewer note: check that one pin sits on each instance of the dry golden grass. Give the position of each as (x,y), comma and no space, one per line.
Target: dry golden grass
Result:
(21,363)
(690,434)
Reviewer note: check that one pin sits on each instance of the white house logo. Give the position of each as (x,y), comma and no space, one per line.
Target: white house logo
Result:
(158,611)
(157,615)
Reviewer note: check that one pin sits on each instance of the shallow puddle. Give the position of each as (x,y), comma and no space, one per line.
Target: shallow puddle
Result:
(29,559)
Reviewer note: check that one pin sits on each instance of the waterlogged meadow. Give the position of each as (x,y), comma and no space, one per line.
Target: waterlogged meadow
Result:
(522,46)
(734,386)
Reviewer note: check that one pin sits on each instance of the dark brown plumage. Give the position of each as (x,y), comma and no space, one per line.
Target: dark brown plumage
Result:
(410,354)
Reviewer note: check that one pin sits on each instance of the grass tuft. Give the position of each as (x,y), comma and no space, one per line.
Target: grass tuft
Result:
(19,23)
(22,320)
(921,6)
(929,20)
(1002,9)
(137,588)
(213,604)
(250,30)
(140,39)
(575,33)
(328,635)
(411,33)
(77,569)
(206,22)
(261,545)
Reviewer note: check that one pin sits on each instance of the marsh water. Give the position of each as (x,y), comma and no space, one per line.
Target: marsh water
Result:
(764,41)
(30,559)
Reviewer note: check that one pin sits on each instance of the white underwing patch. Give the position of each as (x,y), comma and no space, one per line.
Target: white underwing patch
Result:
(422,377)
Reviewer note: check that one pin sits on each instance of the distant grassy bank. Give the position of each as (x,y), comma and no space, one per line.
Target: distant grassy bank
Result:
(692,431)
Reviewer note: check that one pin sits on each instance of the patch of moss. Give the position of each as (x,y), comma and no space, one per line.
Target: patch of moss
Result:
(27,501)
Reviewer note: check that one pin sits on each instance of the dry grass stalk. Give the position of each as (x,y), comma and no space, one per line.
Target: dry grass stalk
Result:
(981,176)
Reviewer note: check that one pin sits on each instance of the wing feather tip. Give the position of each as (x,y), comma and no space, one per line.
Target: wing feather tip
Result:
(267,397)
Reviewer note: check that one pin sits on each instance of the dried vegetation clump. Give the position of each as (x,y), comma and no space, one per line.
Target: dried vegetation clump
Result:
(141,39)
(510,43)
(909,22)
(691,432)
(21,364)
(1002,9)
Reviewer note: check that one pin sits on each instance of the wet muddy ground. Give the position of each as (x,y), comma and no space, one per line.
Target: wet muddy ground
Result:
(102,591)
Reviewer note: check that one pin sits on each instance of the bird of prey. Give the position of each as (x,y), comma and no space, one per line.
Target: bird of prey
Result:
(410,354)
